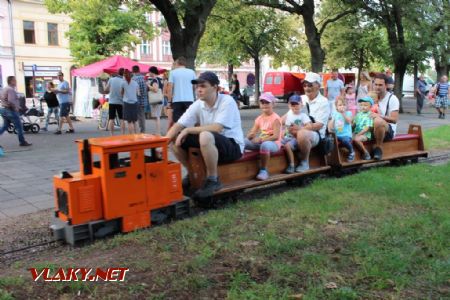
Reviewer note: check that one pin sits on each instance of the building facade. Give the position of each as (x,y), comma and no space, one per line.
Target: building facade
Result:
(41,48)
(158,52)
(6,43)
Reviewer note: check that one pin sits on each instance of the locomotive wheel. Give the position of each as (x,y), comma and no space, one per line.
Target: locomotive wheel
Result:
(35,128)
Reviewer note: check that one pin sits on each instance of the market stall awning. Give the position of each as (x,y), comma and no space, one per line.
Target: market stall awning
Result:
(111,65)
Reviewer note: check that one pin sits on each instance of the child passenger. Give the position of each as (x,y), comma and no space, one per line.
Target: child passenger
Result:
(265,135)
(341,123)
(350,100)
(375,99)
(293,120)
(363,125)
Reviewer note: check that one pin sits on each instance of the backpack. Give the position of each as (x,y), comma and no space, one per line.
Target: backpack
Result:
(326,144)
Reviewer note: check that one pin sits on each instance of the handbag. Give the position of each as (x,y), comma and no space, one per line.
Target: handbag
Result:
(155,98)
(326,143)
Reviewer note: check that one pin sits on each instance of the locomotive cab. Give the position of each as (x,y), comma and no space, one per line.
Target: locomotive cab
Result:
(125,180)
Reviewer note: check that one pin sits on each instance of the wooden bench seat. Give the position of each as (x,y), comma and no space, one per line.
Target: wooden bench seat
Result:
(240,174)
(408,145)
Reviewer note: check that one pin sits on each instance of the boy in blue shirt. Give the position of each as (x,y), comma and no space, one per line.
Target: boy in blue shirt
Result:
(341,124)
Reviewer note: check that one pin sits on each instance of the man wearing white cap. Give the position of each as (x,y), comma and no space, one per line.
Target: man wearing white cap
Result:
(318,110)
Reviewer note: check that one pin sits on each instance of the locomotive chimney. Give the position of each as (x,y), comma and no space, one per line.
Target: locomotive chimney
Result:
(87,158)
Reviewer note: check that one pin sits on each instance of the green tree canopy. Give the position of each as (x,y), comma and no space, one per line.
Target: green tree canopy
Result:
(237,32)
(101,28)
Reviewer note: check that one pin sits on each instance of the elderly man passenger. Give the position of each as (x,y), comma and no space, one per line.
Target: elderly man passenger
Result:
(319,110)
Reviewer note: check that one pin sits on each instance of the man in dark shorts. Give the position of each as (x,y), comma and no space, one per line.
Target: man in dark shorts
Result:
(63,95)
(384,122)
(114,88)
(219,134)
(180,89)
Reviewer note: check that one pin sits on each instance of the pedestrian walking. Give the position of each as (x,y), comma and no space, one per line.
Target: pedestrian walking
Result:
(52,105)
(9,109)
(180,88)
(63,95)
(421,92)
(142,98)
(442,93)
(130,94)
(113,87)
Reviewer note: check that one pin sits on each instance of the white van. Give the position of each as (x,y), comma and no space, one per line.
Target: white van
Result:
(408,85)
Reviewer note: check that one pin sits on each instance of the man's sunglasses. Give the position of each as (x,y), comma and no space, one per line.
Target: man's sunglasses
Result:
(307,84)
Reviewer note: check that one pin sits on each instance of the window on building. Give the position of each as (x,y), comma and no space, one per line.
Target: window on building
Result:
(146,47)
(52,29)
(166,48)
(28,32)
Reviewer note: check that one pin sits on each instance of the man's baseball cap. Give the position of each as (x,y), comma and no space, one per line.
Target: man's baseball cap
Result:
(207,76)
(312,77)
(60,73)
(295,99)
(268,96)
(366,99)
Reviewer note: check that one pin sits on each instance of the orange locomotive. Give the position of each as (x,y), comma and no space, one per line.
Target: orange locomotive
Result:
(126,183)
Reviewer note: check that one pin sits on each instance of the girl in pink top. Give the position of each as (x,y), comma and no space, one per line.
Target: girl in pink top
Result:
(265,135)
(350,100)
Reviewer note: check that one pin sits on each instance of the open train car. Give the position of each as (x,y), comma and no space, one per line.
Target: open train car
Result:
(126,183)
(402,147)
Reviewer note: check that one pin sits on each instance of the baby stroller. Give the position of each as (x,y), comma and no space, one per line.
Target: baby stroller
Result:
(29,118)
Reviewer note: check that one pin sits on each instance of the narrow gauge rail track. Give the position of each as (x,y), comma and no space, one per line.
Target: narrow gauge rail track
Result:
(47,243)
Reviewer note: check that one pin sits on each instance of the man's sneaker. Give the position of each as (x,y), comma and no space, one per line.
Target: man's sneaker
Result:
(44,129)
(25,144)
(262,175)
(366,156)
(70,131)
(58,132)
(351,156)
(208,188)
(302,167)
(377,153)
(290,170)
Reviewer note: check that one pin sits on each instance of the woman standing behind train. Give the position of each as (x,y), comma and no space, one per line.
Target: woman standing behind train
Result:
(52,104)
(130,92)
(365,85)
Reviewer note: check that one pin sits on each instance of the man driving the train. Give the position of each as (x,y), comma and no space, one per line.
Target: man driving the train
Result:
(218,134)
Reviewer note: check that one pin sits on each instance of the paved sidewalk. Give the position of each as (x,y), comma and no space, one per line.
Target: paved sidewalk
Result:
(26,173)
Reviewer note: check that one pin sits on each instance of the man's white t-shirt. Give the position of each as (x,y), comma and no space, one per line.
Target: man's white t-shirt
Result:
(224,112)
(319,109)
(394,105)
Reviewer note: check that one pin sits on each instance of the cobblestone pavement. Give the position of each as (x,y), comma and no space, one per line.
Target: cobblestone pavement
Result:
(26,173)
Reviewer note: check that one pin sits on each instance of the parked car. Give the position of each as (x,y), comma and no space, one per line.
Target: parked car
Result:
(284,84)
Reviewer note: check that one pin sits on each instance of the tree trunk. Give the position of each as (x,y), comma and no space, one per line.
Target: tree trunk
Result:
(400,70)
(416,75)
(230,75)
(313,37)
(442,68)
(360,66)
(184,39)
(257,71)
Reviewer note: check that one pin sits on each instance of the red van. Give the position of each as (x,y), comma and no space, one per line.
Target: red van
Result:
(283,84)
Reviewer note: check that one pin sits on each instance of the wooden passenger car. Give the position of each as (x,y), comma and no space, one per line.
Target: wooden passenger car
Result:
(240,175)
(402,147)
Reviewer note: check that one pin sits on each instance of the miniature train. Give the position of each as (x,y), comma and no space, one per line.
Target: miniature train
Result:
(127,182)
